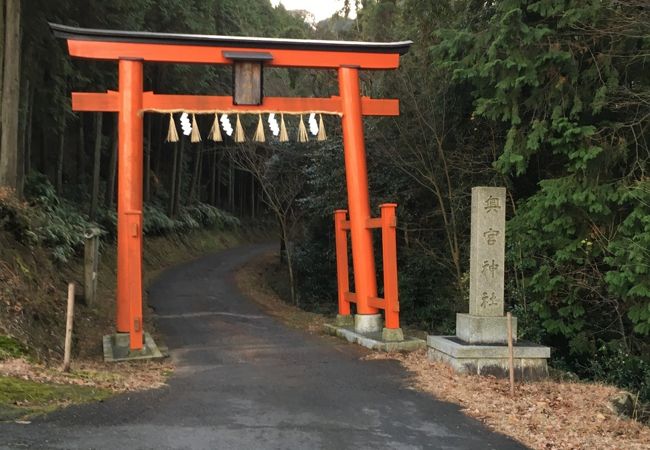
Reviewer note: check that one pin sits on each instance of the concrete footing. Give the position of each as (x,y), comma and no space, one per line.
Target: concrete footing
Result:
(486,359)
(368,323)
(117,348)
(375,341)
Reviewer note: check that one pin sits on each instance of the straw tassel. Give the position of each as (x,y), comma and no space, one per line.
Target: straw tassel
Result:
(196,134)
(215,131)
(322,135)
(172,133)
(259,133)
(284,136)
(302,131)
(239,131)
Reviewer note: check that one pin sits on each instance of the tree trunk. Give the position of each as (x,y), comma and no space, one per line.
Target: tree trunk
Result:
(196,177)
(252,196)
(112,169)
(147,162)
(218,181)
(200,178)
(22,131)
(81,152)
(179,178)
(94,200)
(45,152)
(10,99)
(28,135)
(241,194)
(59,164)
(161,147)
(283,244)
(172,190)
(213,178)
(2,49)
(289,255)
(231,184)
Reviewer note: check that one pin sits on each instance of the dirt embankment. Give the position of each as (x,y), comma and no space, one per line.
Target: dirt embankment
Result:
(33,290)
(32,323)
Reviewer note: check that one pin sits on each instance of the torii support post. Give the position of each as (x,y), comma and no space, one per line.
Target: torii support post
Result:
(389,255)
(129,203)
(387,223)
(342,269)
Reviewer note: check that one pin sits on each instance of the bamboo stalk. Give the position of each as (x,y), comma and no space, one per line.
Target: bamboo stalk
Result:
(68,328)
(511,356)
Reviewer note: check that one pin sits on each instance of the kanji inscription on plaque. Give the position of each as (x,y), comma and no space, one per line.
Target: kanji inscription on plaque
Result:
(487,253)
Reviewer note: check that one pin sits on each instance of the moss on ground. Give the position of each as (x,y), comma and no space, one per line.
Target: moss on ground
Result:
(22,399)
(10,348)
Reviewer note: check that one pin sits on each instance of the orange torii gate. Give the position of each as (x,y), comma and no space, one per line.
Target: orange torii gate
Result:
(132,49)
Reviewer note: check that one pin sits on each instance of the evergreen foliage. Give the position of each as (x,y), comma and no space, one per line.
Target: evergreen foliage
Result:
(571,95)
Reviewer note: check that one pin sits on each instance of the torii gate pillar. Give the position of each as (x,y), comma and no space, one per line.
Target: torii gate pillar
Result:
(129,202)
(356,173)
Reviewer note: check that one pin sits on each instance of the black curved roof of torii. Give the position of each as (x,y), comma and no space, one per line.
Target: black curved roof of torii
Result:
(146,37)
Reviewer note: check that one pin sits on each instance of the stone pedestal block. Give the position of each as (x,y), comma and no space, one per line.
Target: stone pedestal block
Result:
(368,323)
(116,348)
(484,329)
(376,341)
(346,320)
(392,335)
(529,359)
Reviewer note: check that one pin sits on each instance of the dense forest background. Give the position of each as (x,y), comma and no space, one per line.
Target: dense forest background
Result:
(550,98)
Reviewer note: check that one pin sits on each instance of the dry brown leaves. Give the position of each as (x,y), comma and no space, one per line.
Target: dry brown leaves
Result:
(117,377)
(546,415)
(253,280)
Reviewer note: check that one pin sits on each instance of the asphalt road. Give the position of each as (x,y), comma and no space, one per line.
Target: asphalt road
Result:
(245,381)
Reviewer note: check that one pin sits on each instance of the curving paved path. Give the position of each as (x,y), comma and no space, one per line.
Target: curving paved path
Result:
(245,381)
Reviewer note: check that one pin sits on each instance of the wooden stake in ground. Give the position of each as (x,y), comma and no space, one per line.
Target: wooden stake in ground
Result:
(68,328)
(511,363)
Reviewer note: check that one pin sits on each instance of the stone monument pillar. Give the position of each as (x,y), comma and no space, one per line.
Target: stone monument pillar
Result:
(480,344)
(485,323)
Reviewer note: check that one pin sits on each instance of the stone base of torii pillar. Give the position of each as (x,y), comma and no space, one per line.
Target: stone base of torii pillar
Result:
(481,342)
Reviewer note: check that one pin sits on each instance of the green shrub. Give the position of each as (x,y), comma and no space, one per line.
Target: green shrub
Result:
(48,220)
(44,219)
(315,266)
(613,364)
(425,302)
(201,215)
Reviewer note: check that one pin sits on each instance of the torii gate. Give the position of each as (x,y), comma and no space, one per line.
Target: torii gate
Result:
(132,49)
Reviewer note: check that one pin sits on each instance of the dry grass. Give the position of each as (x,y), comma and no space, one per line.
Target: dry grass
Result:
(28,389)
(254,280)
(549,415)
(116,377)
